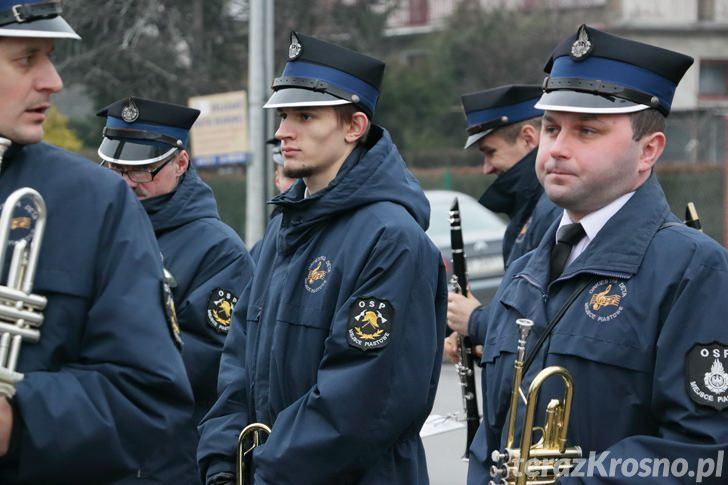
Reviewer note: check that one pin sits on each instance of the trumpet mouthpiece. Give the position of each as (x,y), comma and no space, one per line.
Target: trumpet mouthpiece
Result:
(524,327)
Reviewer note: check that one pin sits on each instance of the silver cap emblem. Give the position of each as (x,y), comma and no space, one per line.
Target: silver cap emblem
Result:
(294,50)
(581,47)
(130,112)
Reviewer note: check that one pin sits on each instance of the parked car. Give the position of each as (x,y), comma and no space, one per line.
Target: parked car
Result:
(482,237)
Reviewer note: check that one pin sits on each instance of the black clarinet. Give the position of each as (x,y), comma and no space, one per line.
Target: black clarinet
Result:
(466,371)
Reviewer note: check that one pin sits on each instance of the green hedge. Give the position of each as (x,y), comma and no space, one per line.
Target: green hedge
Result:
(704,187)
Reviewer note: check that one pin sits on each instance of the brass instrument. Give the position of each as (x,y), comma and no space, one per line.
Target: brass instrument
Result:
(543,462)
(20,310)
(256,432)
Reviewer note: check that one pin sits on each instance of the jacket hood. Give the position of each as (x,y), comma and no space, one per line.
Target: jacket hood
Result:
(192,200)
(372,173)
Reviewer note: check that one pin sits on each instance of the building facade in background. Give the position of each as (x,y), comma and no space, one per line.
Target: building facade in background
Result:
(698,28)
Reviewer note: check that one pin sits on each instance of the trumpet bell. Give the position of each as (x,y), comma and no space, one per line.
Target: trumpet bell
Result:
(20,310)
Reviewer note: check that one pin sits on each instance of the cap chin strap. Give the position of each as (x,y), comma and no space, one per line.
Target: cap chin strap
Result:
(127,133)
(22,13)
(486,125)
(313,85)
(602,88)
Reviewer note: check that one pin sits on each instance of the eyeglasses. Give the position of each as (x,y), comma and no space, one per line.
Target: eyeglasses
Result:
(136,174)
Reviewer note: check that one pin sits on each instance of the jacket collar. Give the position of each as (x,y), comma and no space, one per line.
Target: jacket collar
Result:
(620,246)
(517,184)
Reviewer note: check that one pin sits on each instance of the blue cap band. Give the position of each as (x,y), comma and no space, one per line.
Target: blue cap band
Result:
(621,73)
(368,95)
(515,113)
(178,133)
(9,4)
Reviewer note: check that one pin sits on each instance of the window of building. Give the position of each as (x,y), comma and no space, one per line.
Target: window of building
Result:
(714,78)
(419,12)
(706,9)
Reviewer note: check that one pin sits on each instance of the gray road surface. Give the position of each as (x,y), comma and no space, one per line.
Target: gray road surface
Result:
(445,450)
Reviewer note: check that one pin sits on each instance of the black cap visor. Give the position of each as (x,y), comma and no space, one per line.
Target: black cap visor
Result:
(53,28)
(128,152)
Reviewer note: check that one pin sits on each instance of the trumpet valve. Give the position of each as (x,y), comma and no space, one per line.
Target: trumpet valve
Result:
(498,456)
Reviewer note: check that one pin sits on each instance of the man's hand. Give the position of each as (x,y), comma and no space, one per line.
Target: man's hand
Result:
(452,347)
(6,425)
(459,309)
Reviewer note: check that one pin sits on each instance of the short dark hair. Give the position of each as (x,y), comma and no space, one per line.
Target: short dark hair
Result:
(646,122)
(345,114)
(510,132)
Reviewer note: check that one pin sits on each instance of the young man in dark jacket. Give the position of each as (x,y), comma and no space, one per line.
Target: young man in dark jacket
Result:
(207,265)
(337,342)
(505,126)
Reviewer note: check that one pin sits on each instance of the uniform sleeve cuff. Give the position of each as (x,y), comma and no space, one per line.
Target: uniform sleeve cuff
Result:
(476,331)
(217,468)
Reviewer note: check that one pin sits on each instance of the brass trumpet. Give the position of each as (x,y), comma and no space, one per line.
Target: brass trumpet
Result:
(20,310)
(543,462)
(256,432)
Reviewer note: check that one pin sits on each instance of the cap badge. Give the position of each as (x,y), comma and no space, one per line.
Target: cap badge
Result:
(294,50)
(581,47)
(130,112)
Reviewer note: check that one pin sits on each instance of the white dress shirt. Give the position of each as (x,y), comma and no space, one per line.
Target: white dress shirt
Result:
(592,224)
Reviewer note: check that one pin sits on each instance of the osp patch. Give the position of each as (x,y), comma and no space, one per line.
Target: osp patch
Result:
(316,275)
(370,323)
(705,371)
(220,309)
(605,300)
(171,313)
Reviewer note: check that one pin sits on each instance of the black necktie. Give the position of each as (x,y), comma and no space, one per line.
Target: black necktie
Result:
(569,235)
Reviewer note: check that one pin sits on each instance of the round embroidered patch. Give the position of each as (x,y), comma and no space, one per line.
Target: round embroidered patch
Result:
(605,299)
(220,309)
(318,270)
(707,379)
(370,323)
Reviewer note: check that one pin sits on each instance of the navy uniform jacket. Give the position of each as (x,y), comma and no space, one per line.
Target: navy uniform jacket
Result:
(210,266)
(339,344)
(652,300)
(105,385)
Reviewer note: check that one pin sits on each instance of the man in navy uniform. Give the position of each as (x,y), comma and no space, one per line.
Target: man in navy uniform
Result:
(105,385)
(146,141)
(505,126)
(642,331)
(337,342)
